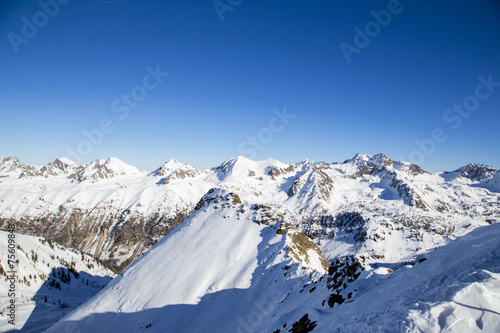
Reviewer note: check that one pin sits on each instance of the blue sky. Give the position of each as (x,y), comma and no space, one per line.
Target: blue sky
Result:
(225,78)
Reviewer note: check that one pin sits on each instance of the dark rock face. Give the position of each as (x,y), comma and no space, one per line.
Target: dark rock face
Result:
(180,174)
(315,175)
(276,171)
(415,170)
(368,169)
(478,172)
(295,187)
(346,224)
(116,239)
(11,164)
(408,194)
(324,184)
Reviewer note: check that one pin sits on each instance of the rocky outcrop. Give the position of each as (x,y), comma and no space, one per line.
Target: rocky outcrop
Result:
(115,237)
(477,172)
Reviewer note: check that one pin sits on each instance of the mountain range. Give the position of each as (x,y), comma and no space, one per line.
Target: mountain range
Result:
(239,267)
(267,246)
(115,212)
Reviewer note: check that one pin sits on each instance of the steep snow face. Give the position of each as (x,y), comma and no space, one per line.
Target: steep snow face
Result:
(204,275)
(51,281)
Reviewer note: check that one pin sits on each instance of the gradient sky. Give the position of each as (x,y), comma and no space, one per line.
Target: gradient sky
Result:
(227,76)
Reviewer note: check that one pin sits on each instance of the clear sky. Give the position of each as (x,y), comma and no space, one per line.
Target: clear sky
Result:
(291,80)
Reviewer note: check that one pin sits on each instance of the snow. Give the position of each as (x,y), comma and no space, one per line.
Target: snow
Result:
(66,160)
(104,189)
(39,263)
(216,256)
(492,184)
(228,256)
(222,272)
(109,168)
(457,289)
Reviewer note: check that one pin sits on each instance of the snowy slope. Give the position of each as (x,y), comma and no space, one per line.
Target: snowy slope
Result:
(213,264)
(46,269)
(492,184)
(236,267)
(457,289)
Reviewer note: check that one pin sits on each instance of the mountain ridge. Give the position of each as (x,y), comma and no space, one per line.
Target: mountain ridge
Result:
(240,267)
(377,159)
(115,212)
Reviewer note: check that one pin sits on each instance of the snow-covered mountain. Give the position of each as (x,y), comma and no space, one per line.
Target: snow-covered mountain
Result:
(266,246)
(239,267)
(50,281)
(114,212)
(105,169)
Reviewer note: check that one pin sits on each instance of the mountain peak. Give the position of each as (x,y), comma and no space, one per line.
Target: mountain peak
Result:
(65,160)
(238,168)
(11,159)
(104,169)
(173,166)
(476,172)
(10,166)
(358,158)
(172,161)
(61,165)
(380,159)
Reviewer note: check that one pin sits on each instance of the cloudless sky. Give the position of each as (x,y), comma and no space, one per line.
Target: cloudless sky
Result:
(227,76)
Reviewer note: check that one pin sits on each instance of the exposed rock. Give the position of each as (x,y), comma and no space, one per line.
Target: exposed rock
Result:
(304,251)
(477,172)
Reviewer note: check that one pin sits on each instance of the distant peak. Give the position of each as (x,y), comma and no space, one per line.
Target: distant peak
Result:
(9,158)
(173,166)
(381,159)
(238,159)
(358,157)
(113,159)
(477,172)
(172,160)
(65,160)
(379,155)
(109,168)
